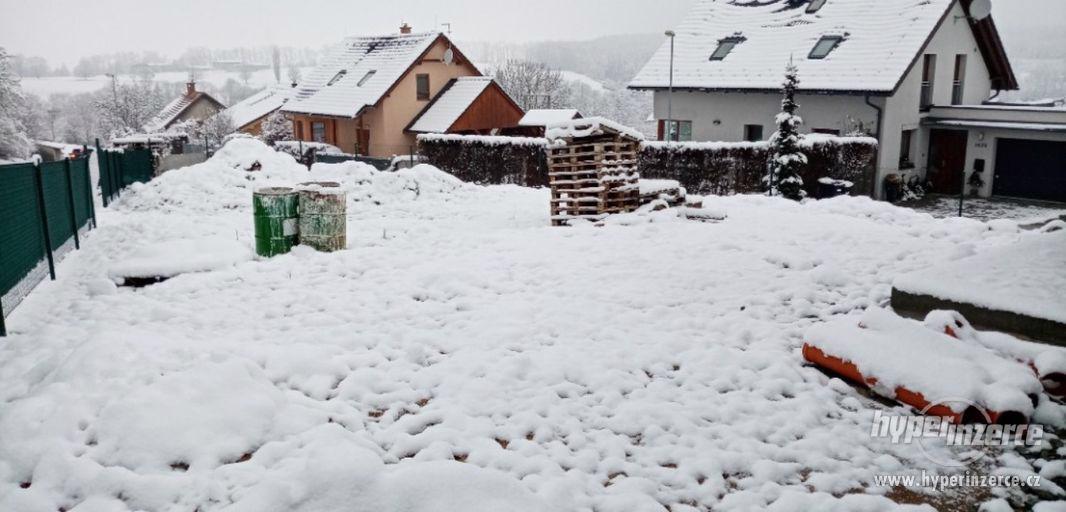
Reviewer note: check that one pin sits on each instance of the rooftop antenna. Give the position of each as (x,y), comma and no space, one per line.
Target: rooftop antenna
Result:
(979,10)
(449,25)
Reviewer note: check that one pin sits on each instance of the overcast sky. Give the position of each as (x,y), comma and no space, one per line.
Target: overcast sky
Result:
(64,30)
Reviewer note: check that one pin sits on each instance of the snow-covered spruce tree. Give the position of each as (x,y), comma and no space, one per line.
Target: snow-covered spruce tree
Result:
(276,127)
(14,142)
(786,159)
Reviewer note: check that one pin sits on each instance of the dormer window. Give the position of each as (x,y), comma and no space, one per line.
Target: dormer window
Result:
(814,6)
(824,45)
(725,46)
(366,77)
(340,74)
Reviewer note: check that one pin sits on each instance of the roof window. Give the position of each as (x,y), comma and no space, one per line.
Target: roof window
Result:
(725,46)
(824,46)
(814,6)
(340,74)
(366,77)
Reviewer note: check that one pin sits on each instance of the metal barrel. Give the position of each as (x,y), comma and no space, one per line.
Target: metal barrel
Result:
(275,212)
(323,211)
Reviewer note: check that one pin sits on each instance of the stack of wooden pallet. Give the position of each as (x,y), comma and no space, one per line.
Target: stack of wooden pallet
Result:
(592,173)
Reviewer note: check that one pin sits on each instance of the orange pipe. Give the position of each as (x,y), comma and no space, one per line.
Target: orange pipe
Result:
(914,399)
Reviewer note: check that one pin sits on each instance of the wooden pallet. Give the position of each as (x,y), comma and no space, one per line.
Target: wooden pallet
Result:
(592,178)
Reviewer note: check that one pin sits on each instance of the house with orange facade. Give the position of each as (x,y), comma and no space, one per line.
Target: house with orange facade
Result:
(373,95)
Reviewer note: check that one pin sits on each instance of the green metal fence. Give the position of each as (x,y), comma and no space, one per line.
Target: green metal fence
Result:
(121,168)
(42,209)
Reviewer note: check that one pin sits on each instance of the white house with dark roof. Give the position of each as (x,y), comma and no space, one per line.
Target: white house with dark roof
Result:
(916,74)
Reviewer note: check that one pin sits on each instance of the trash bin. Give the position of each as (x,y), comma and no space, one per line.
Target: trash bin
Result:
(893,188)
(828,187)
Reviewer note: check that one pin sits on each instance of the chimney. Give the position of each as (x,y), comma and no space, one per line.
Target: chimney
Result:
(405,28)
(190,88)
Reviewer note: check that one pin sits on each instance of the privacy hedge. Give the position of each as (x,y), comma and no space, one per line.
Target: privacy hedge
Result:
(705,168)
(488,160)
(718,168)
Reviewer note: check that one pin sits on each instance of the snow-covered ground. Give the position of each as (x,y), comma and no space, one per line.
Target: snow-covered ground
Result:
(460,355)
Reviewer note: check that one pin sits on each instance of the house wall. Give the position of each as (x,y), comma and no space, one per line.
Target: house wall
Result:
(902,112)
(254,127)
(721,116)
(388,120)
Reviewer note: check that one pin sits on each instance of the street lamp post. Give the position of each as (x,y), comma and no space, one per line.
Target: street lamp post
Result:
(670,95)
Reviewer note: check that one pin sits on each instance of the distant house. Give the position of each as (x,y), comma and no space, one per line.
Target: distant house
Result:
(193,105)
(249,114)
(916,74)
(533,123)
(373,95)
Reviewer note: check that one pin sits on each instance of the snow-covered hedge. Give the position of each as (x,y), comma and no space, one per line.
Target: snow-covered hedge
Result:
(488,159)
(723,168)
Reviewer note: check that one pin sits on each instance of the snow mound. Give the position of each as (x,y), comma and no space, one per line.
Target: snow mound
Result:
(182,421)
(331,469)
(173,257)
(223,182)
(1025,278)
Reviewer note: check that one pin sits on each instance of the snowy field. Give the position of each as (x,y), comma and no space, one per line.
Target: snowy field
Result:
(47,86)
(460,355)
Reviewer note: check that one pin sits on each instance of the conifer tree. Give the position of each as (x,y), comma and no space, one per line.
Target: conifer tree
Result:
(786,159)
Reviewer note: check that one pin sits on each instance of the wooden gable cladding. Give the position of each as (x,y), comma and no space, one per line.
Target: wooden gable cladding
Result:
(492,109)
(993,52)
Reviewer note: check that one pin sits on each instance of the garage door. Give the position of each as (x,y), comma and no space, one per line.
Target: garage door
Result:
(1033,169)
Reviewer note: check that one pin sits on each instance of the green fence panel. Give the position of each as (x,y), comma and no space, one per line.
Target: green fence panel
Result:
(79,179)
(137,166)
(21,238)
(57,202)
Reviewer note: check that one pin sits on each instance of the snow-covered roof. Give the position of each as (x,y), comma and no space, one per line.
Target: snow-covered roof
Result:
(587,127)
(546,116)
(454,99)
(357,73)
(1003,125)
(259,104)
(173,110)
(880,39)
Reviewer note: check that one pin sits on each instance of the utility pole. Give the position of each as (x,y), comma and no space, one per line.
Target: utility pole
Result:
(670,95)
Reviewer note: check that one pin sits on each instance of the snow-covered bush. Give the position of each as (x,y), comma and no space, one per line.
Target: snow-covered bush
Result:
(276,127)
(14,142)
(488,160)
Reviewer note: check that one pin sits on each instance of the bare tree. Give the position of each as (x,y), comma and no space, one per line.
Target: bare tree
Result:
(533,84)
(294,74)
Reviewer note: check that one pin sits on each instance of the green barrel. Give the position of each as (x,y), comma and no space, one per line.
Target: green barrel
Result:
(276,226)
(323,212)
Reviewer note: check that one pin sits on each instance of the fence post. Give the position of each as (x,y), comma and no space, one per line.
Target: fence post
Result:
(101,166)
(70,201)
(89,187)
(39,179)
(3,328)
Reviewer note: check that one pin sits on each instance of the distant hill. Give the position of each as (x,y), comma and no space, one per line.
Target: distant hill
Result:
(612,60)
